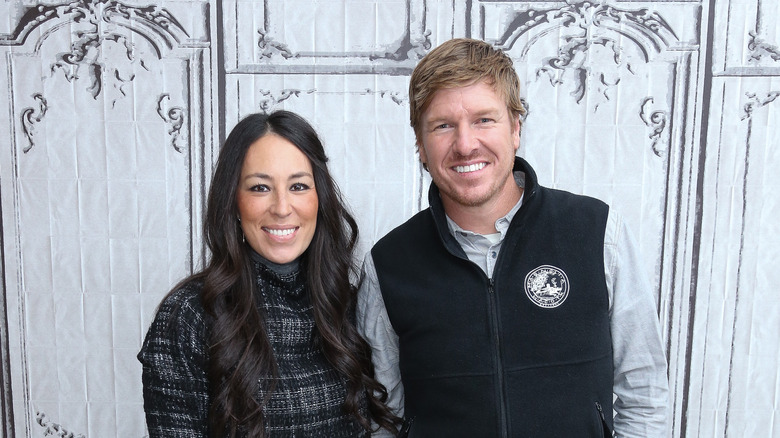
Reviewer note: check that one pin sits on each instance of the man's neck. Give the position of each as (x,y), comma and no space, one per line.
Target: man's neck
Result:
(482,218)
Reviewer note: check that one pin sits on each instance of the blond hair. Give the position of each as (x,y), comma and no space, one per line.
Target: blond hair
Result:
(458,63)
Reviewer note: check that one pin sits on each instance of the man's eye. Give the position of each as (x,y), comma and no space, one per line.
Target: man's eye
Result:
(442,126)
(299,187)
(485,120)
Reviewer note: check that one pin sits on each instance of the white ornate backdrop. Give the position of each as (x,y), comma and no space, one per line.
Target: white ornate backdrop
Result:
(115,111)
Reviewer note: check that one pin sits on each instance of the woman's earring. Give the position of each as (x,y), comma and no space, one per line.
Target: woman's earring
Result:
(243,237)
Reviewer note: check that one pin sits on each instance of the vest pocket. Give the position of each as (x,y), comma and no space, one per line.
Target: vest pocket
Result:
(604,426)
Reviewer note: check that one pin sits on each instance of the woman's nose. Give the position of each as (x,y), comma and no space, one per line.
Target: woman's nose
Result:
(281,205)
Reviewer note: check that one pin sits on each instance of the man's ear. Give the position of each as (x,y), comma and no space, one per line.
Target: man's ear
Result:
(422,154)
(516,132)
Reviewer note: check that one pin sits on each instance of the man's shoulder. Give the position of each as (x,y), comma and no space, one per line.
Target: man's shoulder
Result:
(566,201)
(421,218)
(409,231)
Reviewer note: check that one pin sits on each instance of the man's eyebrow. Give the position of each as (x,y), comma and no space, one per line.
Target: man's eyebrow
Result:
(435,118)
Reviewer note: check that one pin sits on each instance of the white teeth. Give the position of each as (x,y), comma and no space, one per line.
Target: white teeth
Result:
(471,168)
(285,232)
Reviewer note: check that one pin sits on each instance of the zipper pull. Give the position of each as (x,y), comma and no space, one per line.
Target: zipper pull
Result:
(607,432)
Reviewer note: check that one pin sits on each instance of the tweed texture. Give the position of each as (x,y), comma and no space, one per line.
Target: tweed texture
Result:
(308,395)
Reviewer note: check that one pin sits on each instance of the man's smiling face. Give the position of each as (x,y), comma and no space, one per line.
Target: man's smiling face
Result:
(468,141)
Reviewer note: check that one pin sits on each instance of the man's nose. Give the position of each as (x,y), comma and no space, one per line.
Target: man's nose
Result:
(465,140)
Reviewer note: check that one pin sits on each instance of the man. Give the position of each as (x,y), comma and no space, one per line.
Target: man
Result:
(506,309)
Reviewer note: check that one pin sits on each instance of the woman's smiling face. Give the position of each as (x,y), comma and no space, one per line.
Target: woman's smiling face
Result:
(277,200)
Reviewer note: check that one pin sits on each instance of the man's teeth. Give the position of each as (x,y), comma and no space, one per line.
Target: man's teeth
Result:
(285,232)
(471,168)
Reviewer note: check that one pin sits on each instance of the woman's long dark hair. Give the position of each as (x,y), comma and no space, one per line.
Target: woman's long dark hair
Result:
(240,353)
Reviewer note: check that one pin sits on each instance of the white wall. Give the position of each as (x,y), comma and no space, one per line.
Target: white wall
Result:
(115,111)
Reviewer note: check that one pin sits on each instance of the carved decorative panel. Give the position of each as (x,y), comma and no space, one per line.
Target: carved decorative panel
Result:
(275,36)
(105,178)
(747,37)
(734,371)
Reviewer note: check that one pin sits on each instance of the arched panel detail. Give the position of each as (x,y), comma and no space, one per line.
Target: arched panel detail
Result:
(590,24)
(156,25)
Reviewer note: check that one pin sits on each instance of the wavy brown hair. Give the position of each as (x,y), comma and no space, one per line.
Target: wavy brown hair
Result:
(240,353)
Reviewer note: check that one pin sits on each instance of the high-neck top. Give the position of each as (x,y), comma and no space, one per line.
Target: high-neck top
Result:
(309,393)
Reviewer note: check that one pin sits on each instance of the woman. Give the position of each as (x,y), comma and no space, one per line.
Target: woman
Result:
(262,342)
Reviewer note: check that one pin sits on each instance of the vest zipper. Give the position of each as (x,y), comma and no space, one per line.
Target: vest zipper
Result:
(607,432)
(497,357)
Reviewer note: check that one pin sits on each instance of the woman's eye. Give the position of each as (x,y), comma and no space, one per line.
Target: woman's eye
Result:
(259,188)
(298,187)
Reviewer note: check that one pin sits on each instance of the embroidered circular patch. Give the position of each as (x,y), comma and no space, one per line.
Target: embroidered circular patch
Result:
(547,286)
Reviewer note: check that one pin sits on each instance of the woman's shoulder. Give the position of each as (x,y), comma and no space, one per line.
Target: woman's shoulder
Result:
(181,312)
(180,327)
(186,293)
(185,298)
(180,321)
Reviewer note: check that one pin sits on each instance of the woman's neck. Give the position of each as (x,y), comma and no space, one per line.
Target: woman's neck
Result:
(281,269)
